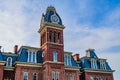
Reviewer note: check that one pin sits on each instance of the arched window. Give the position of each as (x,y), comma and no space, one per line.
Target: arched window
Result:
(59,37)
(54,37)
(25,76)
(9,62)
(57,76)
(34,76)
(55,56)
(53,75)
(50,36)
(72,77)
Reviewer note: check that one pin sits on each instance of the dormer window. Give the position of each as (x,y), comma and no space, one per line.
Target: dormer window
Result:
(9,62)
(93,64)
(67,60)
(55,56)
(32,56)
(102,64)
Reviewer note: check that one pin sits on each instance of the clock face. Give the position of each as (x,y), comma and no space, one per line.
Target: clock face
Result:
(54,18)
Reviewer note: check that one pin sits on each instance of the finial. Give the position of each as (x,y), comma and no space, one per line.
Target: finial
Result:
(50,8)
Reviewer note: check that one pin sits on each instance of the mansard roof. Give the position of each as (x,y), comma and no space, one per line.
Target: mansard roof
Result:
(23,53)
(73,62)
(91,55)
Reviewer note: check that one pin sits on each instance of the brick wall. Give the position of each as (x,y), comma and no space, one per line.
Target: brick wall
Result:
(1,72)
(109,76)
(20,69)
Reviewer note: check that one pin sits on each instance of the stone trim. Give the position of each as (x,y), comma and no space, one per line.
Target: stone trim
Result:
(2,62)
(100,71)
(9,68)
(28,64)
(72,68)
(53,62)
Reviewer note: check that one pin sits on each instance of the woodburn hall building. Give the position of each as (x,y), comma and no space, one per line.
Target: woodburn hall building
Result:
(50,61)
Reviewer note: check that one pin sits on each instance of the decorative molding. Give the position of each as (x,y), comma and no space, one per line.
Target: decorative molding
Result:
(10,54)
(52,43)
(51,25)
(2,62)
(72,68)
(9,68)
(100,71)
(27,64)
(53,62)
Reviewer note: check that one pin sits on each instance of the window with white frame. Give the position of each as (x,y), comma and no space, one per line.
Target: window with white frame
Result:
(25,76)
(93,63)
(67,60)
(91,78)
(57,76)
(72,77)
(34,76)
(9,62)
(55,56)
(102,64)
(53,75)
(31,56)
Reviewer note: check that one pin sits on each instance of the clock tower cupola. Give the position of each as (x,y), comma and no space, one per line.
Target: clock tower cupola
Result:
(51,35)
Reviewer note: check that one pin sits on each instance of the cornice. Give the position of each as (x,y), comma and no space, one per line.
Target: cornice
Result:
(9,68)
(8,54)
(2,62)
(72,68)
(51,25)
(28,64)
(51,62)
(100,71)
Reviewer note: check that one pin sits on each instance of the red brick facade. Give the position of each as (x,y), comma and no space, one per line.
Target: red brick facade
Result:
(21,69)
(1,71)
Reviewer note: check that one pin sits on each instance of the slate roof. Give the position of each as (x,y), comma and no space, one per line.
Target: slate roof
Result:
(49,12)
(23,54)
(90,54)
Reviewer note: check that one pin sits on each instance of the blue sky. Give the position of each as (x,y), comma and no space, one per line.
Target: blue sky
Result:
(89,24)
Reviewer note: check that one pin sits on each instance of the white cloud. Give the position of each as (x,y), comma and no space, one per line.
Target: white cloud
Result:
(13,23)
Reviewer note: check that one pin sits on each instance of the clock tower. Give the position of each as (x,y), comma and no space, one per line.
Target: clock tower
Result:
(52,45)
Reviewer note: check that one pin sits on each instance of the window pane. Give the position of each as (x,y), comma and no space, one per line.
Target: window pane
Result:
(34,76)
(9,61)
(57,75)
(50,36)
(25,76)
(33,57)
(55,57)
(65,60)
(53,75)
(69,60)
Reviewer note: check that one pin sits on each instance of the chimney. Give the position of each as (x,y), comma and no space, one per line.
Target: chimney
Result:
(76,57)
(0,48)
(88,52)
(15,49)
